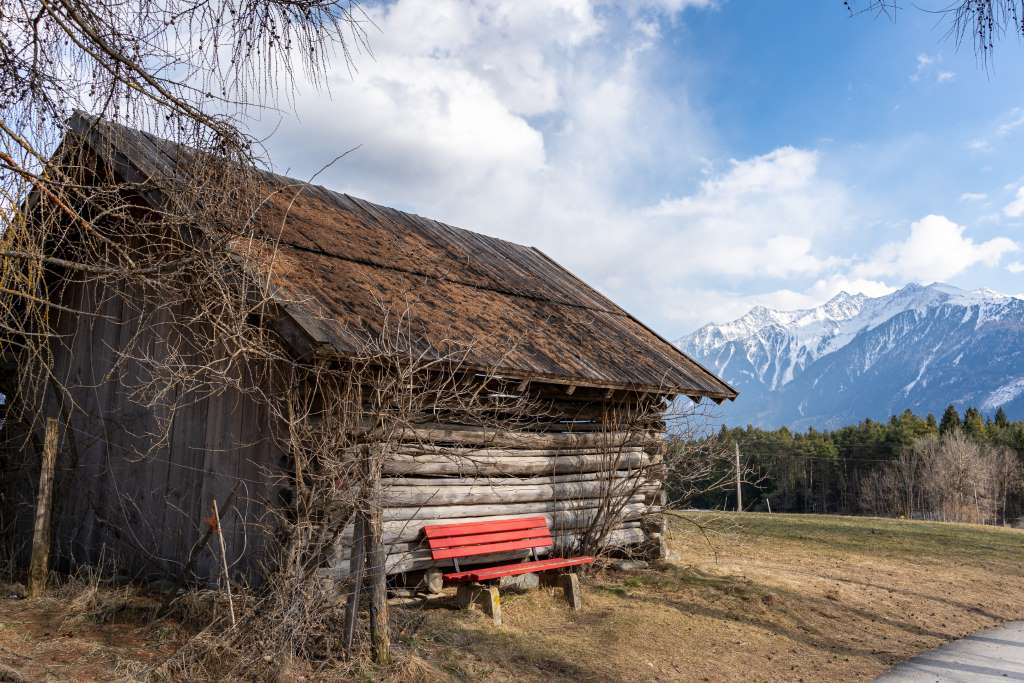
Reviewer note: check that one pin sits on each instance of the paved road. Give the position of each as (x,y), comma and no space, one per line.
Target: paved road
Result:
(996,655)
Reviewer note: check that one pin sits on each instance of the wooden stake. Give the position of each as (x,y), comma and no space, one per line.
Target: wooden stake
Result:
(39,567)
(224,560)
(380,636)
(356,570)
(739,481)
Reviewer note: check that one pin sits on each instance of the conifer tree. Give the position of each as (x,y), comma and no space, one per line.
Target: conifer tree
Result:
(974,425)
(950,420)
(1001,419)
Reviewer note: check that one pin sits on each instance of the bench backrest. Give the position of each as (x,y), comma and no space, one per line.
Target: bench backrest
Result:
(467,539)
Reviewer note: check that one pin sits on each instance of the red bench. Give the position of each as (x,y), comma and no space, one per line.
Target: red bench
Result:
(479,539)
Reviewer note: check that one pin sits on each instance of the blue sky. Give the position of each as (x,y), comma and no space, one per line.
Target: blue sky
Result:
(690,158)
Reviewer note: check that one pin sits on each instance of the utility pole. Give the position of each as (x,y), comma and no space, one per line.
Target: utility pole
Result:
(739,481)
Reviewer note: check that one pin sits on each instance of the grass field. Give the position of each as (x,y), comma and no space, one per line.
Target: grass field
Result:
(779,598)
(774,598)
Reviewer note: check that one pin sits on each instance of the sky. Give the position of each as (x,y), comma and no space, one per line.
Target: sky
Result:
(688,158)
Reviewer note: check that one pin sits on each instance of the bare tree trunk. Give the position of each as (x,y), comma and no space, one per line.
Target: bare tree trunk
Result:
(39,567)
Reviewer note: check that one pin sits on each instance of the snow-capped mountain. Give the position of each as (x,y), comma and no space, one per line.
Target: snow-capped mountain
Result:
(855,356)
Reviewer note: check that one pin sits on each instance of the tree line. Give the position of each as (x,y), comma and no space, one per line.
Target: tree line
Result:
(965,468)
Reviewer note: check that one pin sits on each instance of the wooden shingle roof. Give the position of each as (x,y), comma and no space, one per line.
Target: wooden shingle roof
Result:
(338,262)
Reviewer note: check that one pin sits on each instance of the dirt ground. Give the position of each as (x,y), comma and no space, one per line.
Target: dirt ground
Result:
(773,598)
(69,636)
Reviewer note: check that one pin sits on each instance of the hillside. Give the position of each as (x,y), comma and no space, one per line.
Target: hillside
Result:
(788,597)
(853,357)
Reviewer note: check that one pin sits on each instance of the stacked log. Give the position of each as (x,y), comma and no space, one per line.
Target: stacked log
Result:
(451,473)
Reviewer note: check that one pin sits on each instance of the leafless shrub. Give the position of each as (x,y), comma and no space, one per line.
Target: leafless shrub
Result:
(678,469)
(951,478)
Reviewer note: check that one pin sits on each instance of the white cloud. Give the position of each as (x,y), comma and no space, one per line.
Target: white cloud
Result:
(1015,209)
(926,64)
(1011,121)
(973,197)
(757,219)
(670,6)
(924,61)
(1014,120)
(935,250)
(1015,267)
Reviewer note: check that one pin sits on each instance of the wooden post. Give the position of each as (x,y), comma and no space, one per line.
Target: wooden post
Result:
(571,590)
(739,481)
(465,594)
(39,567)
(488,598)
(356,568)
(380,636)
(490,601)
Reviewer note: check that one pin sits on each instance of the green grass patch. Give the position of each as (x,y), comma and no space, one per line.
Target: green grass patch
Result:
(908,540)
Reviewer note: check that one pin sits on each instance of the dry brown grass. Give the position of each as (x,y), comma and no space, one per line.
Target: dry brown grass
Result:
(789,598)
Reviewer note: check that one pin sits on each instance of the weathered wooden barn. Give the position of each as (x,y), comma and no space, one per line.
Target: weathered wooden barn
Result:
(337,259)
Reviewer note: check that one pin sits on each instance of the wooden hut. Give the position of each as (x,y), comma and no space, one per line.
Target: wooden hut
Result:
(337,258)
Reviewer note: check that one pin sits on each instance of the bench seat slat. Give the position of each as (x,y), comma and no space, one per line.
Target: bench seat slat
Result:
(432,531)
(489,548)
(478,539)
(490,573)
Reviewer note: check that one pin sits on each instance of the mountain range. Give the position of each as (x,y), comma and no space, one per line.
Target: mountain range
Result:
(853,357)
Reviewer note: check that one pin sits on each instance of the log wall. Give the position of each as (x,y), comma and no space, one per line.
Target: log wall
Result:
(472,475)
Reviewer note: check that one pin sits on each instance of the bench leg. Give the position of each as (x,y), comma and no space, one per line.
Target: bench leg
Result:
(490,600)
(570,584)
(487,597)
(466,593)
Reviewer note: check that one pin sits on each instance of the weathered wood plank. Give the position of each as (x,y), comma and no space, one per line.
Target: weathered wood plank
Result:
(462,435)
(519,481)
(412,496)
(507,511)
(477,465)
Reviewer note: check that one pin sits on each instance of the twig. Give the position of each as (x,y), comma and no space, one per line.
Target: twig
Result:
(224,560)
